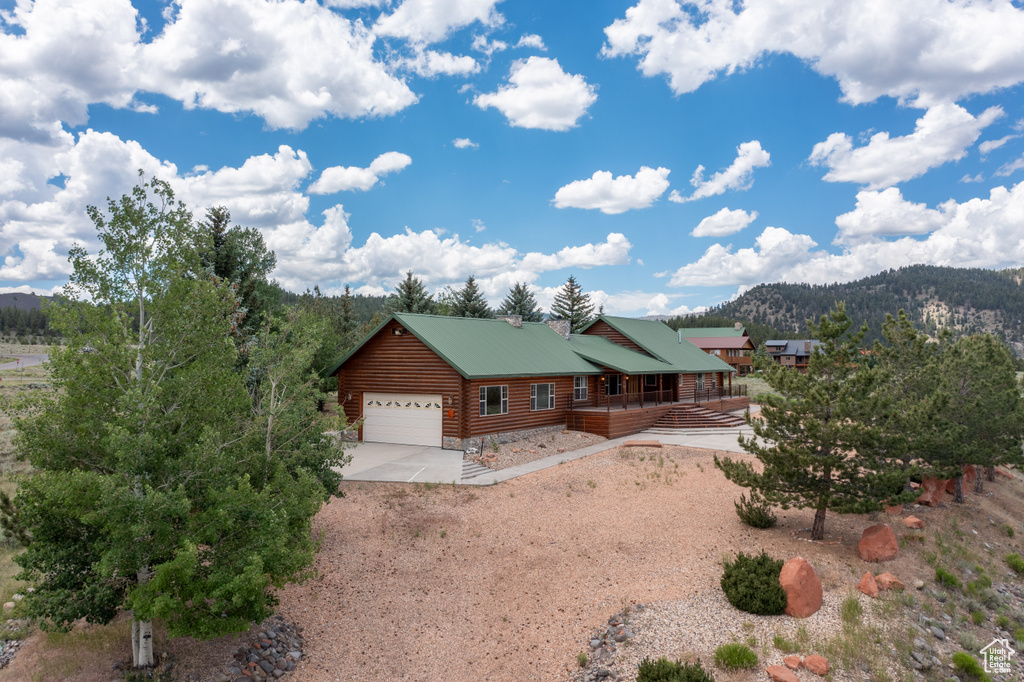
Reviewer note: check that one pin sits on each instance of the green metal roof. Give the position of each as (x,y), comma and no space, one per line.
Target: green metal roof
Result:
(659,340)
(488,348)
(696,332)
(600,350)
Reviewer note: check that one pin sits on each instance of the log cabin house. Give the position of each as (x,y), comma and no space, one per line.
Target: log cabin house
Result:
(452,381)
(731,344)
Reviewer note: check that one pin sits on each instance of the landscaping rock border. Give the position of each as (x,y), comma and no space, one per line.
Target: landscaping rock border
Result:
(271,656)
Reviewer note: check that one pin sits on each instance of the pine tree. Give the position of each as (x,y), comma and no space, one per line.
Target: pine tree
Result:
(573,305)
(470,302)
(410,297)
(816,445)
(981,414)
(520,301)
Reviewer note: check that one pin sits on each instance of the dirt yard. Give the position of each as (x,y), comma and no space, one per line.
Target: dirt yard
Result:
(441,582)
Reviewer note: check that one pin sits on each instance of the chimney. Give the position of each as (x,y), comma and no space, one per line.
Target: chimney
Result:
(514,320)
(737,326)
(680,336)
(561,326)
(807,347)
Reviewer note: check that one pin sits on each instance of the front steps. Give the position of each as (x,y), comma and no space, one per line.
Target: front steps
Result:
(693,416)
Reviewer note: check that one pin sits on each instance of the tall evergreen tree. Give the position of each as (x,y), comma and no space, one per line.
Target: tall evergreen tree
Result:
(572,304)
(240,256)
(470,302)
(520,301)
(410,297)
(982,416)
(815,444)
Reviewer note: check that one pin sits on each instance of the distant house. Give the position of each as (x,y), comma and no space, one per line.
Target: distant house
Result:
(731,344)
(450,381)
(792,353)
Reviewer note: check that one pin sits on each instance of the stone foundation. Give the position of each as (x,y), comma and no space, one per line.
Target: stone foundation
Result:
(501,437)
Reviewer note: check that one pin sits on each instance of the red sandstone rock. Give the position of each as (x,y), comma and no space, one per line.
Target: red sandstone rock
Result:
(868,585)
(792,662)
(780,673)
(816,664)
(887,581)
(1004,473)
(803,589)
(878,543)
(970,473)
(913,522)
(894,509)
(932,491)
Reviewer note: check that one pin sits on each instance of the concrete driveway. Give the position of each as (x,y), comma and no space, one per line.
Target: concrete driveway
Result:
(406,463)
(26,361)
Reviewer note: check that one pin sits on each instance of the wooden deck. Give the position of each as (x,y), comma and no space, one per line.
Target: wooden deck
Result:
(616,421)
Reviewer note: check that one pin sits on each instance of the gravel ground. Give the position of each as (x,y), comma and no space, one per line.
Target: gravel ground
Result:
(509,582)
(530,449)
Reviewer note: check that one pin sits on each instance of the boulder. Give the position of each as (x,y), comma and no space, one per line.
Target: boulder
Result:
(780,673)
(816,664)
(1004,473)
(913,522)
(895,509)
(868,585)
(803,589)
(887,581)
(932,491)
(970,473)
(878,543)
(792,662)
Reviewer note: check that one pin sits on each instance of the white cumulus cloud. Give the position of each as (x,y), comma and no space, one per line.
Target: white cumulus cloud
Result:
(943,134)
(980,232)
(738,176)
(344,178)
(430,21)
(539,94)
(920,51)
(1011,167)
(991,145)
(464,143)
(614,195)
(724,223)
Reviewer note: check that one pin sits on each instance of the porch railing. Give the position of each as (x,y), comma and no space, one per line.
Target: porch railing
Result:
(701,395)
(622,400)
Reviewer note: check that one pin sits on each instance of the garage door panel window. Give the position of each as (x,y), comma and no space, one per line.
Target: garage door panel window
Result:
(542,397)
(493,400)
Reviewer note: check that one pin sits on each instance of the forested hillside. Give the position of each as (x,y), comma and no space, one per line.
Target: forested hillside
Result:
(964,300)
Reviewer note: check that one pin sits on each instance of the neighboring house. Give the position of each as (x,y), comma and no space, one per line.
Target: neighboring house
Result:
(790,353)
(450,381)
(731,344)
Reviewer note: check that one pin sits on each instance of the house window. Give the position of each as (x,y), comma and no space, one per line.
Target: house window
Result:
(613,384)
(493,400)
(734,353)
(700,381)
(579,388)
(650,381)
(716,352)
(542,396)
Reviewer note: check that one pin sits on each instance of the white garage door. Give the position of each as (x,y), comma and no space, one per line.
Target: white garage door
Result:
(410,419)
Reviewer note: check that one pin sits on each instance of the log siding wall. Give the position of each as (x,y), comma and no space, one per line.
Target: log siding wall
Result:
(602,328)
(399,364)
(519,415)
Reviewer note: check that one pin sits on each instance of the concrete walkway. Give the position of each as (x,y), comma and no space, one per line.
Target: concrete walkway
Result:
(422,464)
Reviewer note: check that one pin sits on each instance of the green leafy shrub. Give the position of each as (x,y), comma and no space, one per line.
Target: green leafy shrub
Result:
(969,666)
(1016,562)
(1003,622)
(755,512)
(977,617)
(735,656)
(944,577)
(1008,529)
(751,584)
(664,670)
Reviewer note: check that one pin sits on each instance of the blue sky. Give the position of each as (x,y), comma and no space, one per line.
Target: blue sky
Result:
(669,154)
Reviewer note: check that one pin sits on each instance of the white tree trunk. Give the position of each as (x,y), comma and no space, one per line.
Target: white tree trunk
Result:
(142,643)
(142,633)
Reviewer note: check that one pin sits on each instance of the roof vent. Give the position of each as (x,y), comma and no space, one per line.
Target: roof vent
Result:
(514,320)
(680,336)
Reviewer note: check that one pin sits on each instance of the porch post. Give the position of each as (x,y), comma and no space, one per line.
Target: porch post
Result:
(657,399)
(625,392)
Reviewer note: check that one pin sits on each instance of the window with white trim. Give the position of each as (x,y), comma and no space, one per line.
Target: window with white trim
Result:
(493,400)
(700,380)
(579,388)
(650,381)
(542,396)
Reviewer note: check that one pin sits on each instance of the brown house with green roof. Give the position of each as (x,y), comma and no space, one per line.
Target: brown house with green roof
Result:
(450,381)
